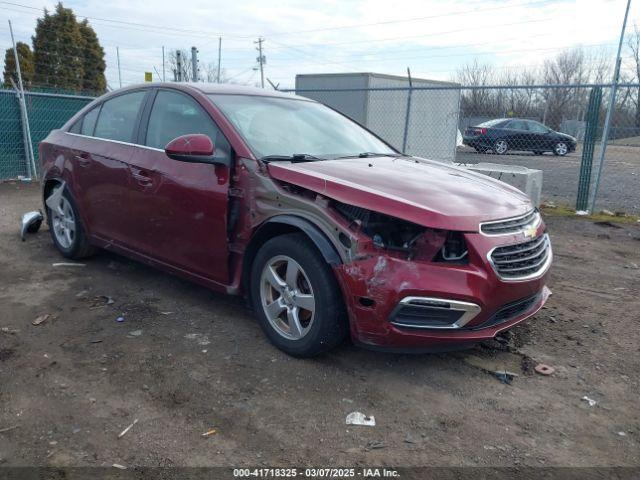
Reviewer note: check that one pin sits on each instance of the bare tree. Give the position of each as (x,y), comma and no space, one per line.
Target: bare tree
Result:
(172,62)
(568,67)
(478,101)
(210,73)
(521,102)
(633,43)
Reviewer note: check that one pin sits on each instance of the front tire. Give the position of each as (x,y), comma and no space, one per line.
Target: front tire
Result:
(560,149)
(296,297)
(500,146)
(66,228)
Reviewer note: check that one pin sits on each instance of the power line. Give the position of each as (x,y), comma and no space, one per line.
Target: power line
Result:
(201,32)
(411,19)
(124,22)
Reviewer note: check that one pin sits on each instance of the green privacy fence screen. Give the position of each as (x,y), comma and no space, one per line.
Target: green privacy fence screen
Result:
(46,112)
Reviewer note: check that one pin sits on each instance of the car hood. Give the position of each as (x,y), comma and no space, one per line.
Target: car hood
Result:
(422,191)
(566,137)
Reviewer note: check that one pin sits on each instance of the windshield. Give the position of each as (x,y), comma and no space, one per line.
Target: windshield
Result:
(286,127)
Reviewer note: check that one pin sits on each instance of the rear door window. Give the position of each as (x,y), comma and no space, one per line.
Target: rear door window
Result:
(118,116)
(89,122)
(175,114)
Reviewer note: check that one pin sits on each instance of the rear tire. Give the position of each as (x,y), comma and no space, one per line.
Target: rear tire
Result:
(67,230)
(296,297)
(500,147)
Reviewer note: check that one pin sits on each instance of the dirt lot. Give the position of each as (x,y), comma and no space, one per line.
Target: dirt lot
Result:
(186,360)
(618,186)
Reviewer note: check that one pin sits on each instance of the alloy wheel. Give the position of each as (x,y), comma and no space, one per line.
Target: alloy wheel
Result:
(561,148)
(501,147)
(63,221)
(287,297)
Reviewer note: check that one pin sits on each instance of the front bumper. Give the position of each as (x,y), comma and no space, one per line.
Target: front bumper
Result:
(375,288)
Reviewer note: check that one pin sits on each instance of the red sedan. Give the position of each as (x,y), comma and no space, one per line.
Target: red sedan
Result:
(326,229)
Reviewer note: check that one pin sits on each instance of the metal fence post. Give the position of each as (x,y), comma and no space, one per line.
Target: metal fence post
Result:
(408,114)
(23,124)
(590,133)
(612,103)
(28,150)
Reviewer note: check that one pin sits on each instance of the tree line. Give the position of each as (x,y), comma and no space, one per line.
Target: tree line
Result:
(66,55)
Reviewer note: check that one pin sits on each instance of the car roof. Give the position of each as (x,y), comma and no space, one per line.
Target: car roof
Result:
(215,88)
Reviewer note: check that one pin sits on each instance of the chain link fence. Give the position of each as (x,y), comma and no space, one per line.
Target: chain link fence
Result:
(45,111)
(556,129)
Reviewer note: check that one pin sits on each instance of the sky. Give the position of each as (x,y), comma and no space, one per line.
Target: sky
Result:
(432,37)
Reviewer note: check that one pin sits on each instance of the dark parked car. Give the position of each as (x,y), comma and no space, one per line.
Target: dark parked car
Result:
(324,227)
(517,134)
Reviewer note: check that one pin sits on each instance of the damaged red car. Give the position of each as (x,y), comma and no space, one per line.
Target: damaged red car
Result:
(327,229)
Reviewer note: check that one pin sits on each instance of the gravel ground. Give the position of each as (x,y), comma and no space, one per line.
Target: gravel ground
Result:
(618,187)
(186,360)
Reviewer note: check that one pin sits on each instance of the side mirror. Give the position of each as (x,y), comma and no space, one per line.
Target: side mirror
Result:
(193,148)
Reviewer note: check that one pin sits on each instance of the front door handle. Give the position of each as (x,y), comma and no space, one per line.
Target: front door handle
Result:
(142,179)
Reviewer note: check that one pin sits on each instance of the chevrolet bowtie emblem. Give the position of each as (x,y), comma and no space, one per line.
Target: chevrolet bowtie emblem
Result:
(530,232)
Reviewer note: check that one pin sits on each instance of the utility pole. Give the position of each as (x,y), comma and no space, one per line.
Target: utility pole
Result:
(28,146)
(178,66)
(261,60)
(219,57)
(119,73)
(163,64)
(612,102)
(194,64)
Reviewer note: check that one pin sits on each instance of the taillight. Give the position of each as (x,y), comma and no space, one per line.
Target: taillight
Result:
(483,131)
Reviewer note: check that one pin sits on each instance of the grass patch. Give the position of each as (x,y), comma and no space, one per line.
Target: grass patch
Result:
(567,211)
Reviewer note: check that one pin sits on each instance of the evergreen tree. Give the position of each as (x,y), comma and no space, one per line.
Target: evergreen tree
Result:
(25,56)
(58,50)
(93,60)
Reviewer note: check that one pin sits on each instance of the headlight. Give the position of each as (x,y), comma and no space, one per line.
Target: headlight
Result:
(397,235)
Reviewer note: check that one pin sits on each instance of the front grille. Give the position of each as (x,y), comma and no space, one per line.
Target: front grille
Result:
(510,311)
(523,260)
(511,225)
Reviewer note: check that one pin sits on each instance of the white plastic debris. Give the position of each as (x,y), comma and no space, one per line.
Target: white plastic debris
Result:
(582,213)
(123,433)
(42,318)
(590,401)
(54,201)
(67,264)
(359,418)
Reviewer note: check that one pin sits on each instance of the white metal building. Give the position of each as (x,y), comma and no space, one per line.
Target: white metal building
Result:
(433,115)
